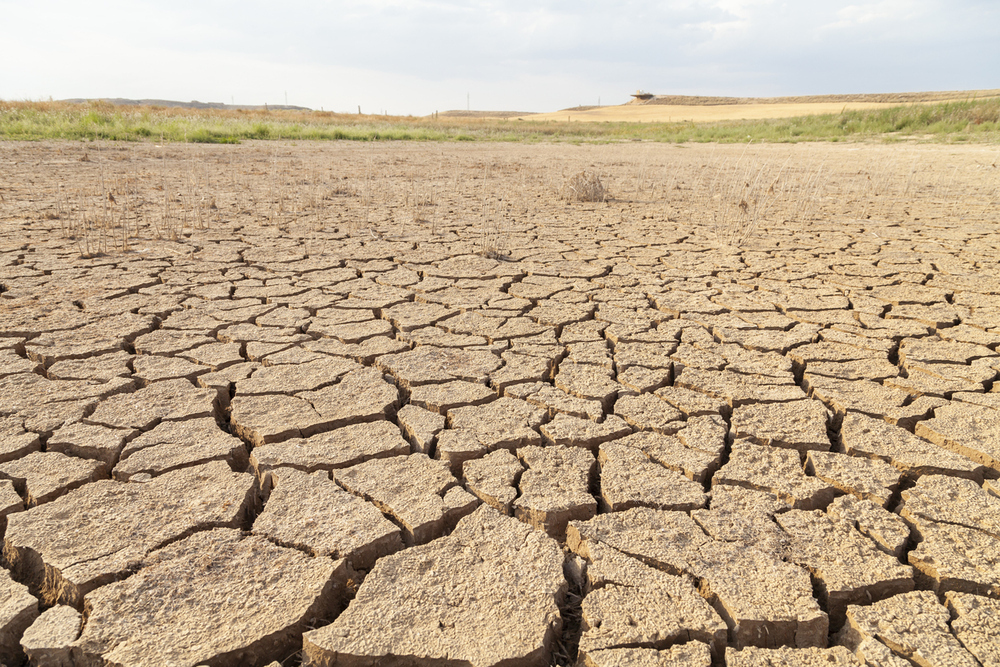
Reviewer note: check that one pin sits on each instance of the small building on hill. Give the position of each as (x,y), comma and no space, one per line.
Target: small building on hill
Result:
(641,96)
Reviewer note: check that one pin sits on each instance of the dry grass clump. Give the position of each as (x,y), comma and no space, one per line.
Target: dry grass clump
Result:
(584,186)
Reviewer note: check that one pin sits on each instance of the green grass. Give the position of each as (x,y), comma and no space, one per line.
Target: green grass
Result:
(958,122)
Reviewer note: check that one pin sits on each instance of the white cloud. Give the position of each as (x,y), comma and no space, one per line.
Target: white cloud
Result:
(881,11)
(421,55)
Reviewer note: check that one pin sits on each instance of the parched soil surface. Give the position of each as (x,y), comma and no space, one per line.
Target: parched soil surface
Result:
(416,405)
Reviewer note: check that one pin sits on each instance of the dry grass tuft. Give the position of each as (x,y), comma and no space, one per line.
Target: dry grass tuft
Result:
(585,187)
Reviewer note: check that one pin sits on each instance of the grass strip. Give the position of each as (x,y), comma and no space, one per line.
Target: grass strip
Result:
(947,122)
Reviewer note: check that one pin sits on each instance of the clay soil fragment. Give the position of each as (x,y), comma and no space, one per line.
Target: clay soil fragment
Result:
(90,536)
(218,597)
(948,500)
(413,315)
(866,478)
(771,341)
(576,432)
(451,600)
(294,378)
(786,657)
(261,420)
(736,389)
(44,476)
(692,403)
(692,654)
(866,436)
(555,488)
(955,558)
(889,532)
(864,396)
(445,396)
(103,336)
(505,423)
(647,412)
(520,368)
(311,513)
(752,528)
(426,365)
(150,368)
(956,523)
(22,390)
(170,400)
(418,492)
(913,625)
(631,604)
(855,369)
(798,425)
(174,445)
(18,610)
(15,441)
(339,448)
(50,638)
(101,368)
(742,500)
(361,396)
(934,350)
(643,380)
(739,581)
(846,565)
(631,476)
(556,401)
(976,623)
(420,426)
(589,382)
(493,479)
(776,471)
(970,430)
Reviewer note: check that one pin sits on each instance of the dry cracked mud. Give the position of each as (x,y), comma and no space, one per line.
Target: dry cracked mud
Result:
(403,405)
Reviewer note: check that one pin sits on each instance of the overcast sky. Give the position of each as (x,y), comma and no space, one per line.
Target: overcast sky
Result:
(418,56)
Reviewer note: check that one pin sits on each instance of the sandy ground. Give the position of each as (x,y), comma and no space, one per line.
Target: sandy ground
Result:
(329,402)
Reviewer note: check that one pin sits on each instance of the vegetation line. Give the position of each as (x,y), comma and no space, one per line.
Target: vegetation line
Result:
(946,122)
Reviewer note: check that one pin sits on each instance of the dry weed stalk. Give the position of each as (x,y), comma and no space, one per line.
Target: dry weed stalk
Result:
(495,222)
(420,199)
(367,192)
(585,186)
(743,199)
(809,195)
(876,186)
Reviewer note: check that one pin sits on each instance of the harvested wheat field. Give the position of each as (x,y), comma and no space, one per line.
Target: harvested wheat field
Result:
(400,404)
(695,109)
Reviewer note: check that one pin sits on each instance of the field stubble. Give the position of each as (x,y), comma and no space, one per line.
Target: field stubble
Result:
(106,197)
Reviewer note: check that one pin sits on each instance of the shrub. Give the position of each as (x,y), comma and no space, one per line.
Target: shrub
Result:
(585,187)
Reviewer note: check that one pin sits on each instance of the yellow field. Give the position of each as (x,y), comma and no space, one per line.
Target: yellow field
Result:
(747,108)
(663,113)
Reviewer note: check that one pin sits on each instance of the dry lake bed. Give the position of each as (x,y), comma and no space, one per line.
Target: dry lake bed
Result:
(418,404)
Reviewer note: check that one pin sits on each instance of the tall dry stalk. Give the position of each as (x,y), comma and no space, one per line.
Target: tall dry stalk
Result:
(743,197)
(367,193)
(809,194)
(876,188)
(495,223)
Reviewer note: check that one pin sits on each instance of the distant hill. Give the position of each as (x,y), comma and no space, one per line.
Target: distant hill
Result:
(194,104)
(456,113)
(703,109)
(866,98)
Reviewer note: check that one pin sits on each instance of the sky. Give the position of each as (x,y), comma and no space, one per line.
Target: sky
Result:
(420,56)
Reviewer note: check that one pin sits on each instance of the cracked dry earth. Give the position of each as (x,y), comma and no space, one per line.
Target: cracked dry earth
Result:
(618,444)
